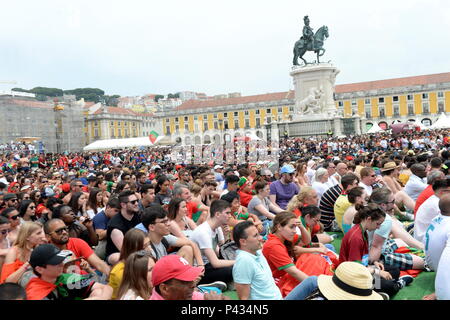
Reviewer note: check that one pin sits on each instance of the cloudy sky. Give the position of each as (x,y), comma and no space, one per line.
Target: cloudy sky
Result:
(137,47)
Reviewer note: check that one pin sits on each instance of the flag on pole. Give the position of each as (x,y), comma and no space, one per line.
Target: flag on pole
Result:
(153,136)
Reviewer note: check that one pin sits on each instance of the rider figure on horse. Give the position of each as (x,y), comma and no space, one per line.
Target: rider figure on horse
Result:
(308,34)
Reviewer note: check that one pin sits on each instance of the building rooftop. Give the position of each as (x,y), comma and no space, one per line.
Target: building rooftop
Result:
(392,83)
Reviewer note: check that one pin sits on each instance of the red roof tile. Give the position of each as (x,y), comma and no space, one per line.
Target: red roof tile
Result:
(196,104)
(392,83)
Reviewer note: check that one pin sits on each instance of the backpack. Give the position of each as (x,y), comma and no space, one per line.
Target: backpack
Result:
(228,250)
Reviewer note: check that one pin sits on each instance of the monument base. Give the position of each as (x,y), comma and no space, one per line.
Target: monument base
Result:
(314,91)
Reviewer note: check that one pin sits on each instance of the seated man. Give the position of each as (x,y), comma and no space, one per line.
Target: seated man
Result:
(174,279)
(100,223)
(51,284)
(57,234)
(209,236)
(156,224)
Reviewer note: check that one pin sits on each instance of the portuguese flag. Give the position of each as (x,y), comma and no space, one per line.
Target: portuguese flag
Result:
(153,136)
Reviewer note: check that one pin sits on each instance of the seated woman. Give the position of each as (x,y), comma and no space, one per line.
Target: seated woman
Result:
(134,240)
(308,197)
(356,196)
(181,225)
(95,203)
(302,180)
(240,213)
(208,194)
(31,234)
(355,247)
(137,277)
(262,207)
(289,266)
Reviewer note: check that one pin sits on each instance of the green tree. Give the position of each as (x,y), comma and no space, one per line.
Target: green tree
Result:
(49,92)
(158,96)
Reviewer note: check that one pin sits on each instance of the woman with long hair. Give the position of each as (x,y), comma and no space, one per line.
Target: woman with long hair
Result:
(180,224)
(78,203)
(134,240)
(27,211)
(31,234)
(163,194)
(35,196)
(207,195)
(137,277)
(301,174)
(95,202)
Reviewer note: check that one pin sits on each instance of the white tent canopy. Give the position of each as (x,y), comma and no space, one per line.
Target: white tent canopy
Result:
(121,143)
(375,128)
(442,122)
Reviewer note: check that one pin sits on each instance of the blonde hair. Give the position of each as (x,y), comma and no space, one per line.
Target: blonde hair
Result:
(299,200)
(196,189)
(25,230)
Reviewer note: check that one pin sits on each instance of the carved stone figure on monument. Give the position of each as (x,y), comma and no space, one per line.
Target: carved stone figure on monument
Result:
(312,103)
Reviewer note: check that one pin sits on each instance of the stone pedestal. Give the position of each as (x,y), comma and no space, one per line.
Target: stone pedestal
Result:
(315,108)
(357,124)
(314,85)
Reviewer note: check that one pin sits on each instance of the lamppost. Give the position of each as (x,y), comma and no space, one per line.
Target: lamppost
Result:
(58,124)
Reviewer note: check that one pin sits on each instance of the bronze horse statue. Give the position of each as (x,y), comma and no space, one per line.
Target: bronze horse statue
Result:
(301,46)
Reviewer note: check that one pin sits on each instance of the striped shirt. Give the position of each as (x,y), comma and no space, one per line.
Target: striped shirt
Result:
(326,205)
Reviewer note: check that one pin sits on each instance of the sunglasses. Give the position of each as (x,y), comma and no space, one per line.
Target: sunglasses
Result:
(14,217)
(31,207)
(13,200)
(133,202)
(3,232)
(60,230)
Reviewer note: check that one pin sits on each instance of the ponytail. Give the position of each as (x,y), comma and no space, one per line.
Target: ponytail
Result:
(372,211)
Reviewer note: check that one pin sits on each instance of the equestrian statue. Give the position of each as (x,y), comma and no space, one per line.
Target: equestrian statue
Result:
(310,42)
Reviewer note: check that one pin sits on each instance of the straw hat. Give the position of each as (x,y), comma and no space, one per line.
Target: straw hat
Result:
(389,166)
(351,281)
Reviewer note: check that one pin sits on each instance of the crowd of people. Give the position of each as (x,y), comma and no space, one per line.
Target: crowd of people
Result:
(133,225)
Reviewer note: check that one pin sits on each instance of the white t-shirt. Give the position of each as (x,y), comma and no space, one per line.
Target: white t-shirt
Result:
(435,240)
(320,188)
(207,238)
(427,211)
(368,189)
(442,282)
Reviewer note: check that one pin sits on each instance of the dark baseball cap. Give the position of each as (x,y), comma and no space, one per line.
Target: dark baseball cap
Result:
(46,254)
(9,196)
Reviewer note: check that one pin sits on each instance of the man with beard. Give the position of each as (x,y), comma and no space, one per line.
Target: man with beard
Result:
(57,233)
(282,191)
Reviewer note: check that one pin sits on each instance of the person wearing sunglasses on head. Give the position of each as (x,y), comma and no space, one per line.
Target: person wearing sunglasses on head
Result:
(14,223)
(31,234)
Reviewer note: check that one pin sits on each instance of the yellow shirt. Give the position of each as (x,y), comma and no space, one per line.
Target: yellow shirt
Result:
(115,278)
(341,205)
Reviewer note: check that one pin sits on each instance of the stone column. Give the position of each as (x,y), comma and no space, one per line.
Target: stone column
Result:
(357,120)
(337,126)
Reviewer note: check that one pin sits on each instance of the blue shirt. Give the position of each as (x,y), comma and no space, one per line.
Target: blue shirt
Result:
(100,221)
(255,271)
(140,226)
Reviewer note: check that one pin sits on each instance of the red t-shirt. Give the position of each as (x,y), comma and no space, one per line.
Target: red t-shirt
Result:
(245,198)
(423,196)
(79,247)
(354,245)
(277,256)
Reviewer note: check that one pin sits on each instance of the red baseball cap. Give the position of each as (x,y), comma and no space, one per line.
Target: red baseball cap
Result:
(174,267)
(65,187)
